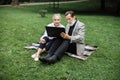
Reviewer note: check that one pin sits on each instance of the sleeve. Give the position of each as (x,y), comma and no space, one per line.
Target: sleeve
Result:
(78,35)
(45,34)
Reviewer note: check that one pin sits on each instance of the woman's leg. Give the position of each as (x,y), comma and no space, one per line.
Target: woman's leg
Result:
(49,44)
(40,49)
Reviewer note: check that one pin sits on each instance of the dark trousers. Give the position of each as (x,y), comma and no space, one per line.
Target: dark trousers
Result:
(72,48)
(47,44)
(56,43)
(59,47)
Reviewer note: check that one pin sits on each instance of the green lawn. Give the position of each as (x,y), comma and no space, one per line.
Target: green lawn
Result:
(22,26)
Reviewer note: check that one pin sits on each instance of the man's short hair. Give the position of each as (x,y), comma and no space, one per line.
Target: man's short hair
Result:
(71,13)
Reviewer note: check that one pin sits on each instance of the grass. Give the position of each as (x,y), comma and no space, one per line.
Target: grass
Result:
(22,26)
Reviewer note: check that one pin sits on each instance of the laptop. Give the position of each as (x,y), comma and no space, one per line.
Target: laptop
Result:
(54,31)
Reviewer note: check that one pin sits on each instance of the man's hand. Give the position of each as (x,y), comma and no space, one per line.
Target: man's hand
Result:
(42,41)
(65,36)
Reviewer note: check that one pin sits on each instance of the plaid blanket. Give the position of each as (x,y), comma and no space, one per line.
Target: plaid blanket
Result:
(88,51)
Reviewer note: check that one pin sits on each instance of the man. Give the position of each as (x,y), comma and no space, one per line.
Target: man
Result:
(73,40)
(45,40)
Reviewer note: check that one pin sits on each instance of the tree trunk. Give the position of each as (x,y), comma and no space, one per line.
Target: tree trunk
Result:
(102,4)
(15,3)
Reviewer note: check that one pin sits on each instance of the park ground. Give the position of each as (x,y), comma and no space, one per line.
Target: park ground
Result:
(23,25)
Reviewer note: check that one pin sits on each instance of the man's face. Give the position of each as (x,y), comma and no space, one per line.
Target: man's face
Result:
(69,18)
(56,21)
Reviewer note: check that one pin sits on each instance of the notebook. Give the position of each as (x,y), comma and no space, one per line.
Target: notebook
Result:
(54,31)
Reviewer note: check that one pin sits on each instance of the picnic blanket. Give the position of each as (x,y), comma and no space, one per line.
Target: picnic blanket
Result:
(88,51)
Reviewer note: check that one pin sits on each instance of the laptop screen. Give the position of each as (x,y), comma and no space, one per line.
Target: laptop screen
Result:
(54,31)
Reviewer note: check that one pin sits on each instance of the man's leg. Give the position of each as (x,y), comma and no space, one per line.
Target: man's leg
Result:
(62,49)
(59,52)
(56,43)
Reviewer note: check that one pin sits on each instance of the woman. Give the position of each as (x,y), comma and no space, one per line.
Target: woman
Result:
(45,40)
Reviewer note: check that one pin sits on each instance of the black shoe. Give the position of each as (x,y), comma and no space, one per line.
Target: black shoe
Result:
(51,60)
(48,56)
(44,60)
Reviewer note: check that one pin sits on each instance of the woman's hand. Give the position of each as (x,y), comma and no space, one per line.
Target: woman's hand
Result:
(65,36)
(42,41)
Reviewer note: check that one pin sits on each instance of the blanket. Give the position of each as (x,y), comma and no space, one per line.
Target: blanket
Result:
(88,51)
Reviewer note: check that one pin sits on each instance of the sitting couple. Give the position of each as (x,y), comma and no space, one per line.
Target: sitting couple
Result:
(71,41)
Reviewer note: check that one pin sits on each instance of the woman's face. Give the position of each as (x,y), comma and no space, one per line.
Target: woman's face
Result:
(69,18)
(56,21)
